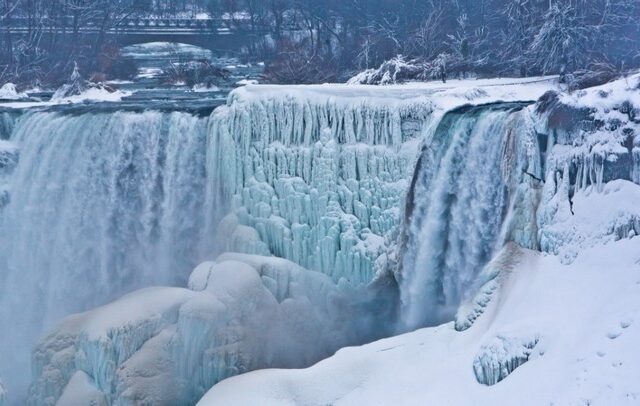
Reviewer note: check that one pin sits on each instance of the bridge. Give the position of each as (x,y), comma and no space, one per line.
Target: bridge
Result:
(213,34)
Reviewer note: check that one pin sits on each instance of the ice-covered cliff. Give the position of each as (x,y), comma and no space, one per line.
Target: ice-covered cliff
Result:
(523,222)
(321,172)
(316,175)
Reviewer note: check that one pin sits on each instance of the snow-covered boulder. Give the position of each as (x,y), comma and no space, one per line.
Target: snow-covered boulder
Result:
(79,89)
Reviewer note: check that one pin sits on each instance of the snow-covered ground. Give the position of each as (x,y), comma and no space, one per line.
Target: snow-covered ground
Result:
(584,320)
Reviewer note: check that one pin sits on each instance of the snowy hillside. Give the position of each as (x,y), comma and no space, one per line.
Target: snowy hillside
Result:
(570,332)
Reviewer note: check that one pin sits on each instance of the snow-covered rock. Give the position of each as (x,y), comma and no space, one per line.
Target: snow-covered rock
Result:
(77,89)
(593,150)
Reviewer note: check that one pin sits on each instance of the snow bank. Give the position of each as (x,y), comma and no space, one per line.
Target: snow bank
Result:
(584,317)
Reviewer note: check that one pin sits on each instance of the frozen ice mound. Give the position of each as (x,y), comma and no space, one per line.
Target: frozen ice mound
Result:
(501,356)
(169,345)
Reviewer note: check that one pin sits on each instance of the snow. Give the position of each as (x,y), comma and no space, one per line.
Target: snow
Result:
(203,88)
(582,317)
(92,95)
(245,82)
(596,216)
(9,92)
(96,95)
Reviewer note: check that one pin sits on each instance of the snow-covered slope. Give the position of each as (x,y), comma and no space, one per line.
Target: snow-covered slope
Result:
(573,328)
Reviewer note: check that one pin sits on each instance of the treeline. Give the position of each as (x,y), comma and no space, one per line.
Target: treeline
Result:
(305,41)
(334,38)
(40,40)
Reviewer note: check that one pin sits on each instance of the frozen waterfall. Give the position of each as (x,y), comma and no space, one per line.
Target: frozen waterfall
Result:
(469,171)
(99,205)
(319,180)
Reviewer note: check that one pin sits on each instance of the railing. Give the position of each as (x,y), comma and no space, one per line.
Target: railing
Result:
(131,25)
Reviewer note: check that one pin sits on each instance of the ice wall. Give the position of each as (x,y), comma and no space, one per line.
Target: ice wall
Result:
(98,205)
(593,156)
(320,179)
(471,192)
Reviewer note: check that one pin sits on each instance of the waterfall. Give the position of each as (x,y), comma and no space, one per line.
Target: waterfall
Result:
(100,204)
(461,194)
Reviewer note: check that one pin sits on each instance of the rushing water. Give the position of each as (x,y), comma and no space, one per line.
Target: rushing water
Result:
(100,205)
(459,199)
(106,198)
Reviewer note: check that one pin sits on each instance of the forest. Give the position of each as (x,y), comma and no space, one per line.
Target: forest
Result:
(307,41)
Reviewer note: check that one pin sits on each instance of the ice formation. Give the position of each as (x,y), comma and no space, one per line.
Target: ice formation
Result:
(594,150)
(321,181)
(497,359)
(169,345)
(314,175)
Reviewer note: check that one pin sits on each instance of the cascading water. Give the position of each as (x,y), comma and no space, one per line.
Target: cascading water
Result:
(462,190)
(100,205)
